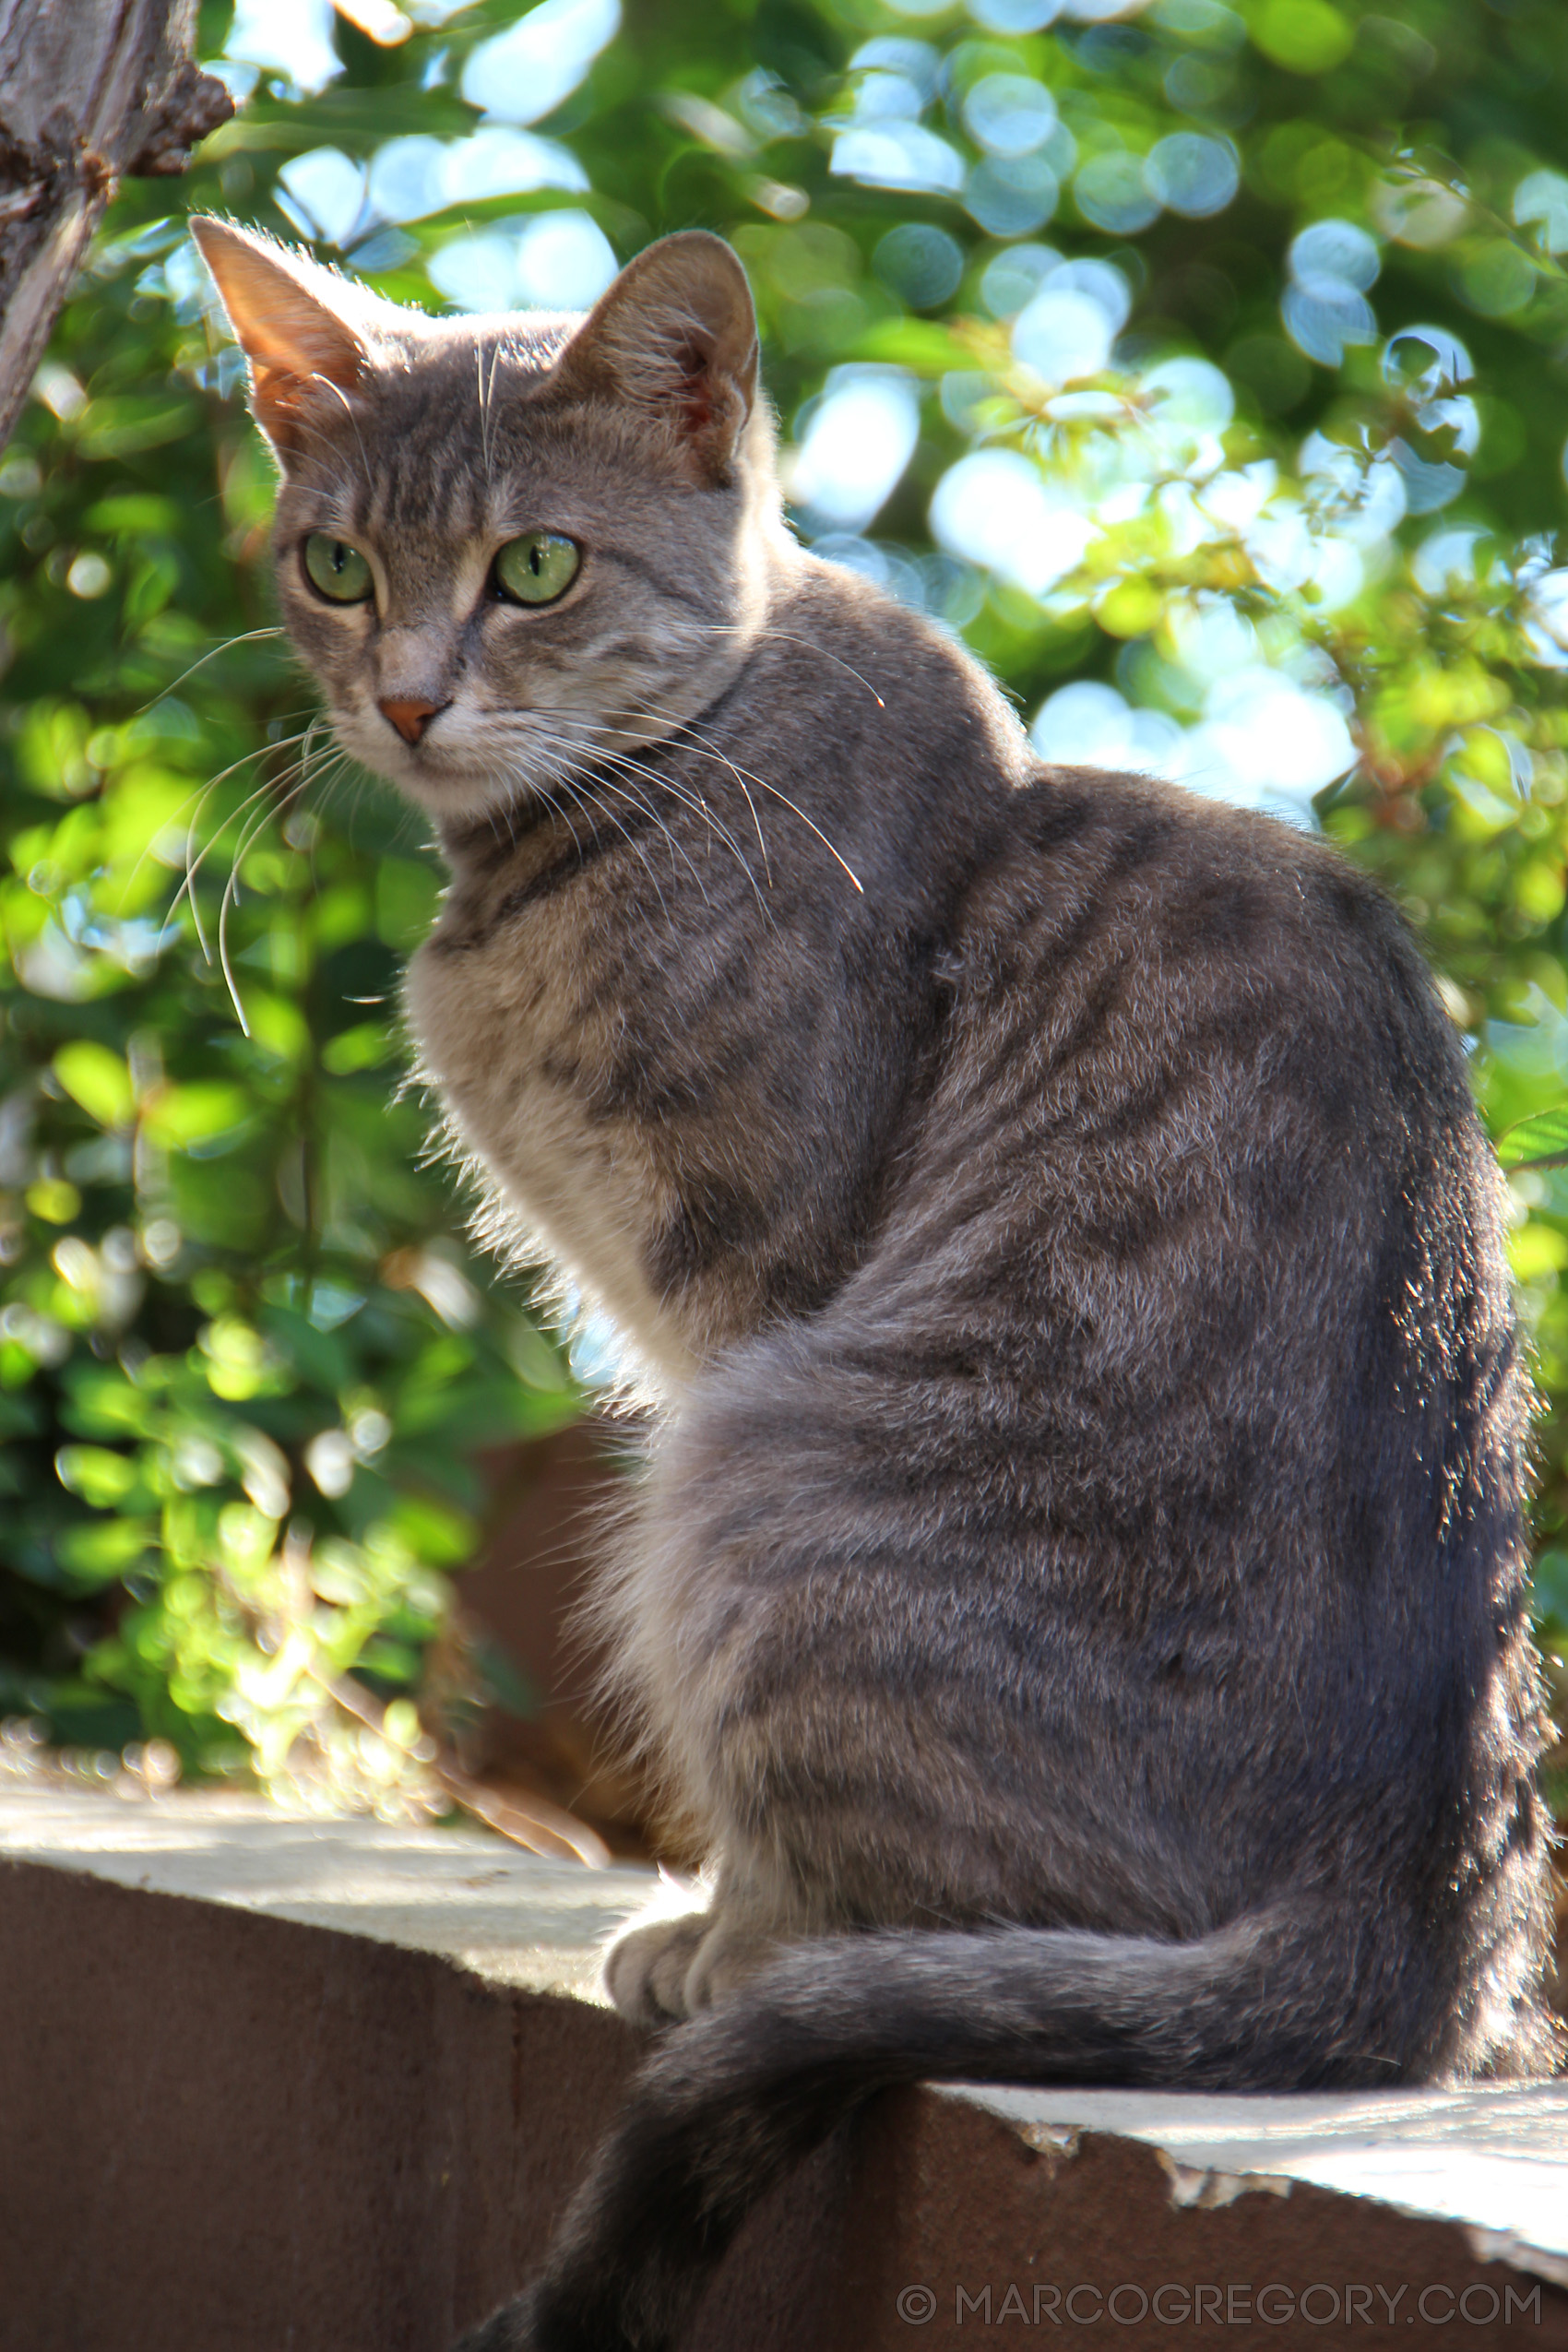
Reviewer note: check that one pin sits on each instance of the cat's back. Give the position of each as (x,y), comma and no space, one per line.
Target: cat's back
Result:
(1202,1194)
(1134,914)
(1175,965)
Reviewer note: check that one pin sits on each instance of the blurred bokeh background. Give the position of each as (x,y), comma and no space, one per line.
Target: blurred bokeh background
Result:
(1203,366)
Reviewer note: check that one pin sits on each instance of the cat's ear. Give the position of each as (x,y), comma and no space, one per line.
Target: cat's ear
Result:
(676,337)
(288,316)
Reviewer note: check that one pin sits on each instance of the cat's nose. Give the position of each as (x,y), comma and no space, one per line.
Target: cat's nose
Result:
(410,718)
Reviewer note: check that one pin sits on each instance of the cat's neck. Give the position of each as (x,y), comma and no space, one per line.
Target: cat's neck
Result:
(542,838)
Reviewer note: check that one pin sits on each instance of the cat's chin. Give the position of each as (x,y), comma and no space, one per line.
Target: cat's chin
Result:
(456,799)
(446,786)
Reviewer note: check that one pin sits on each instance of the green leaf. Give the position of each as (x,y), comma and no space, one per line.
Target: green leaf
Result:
(105,1403)
(915,343)
(99,1080)
(1540,1142)
(134,516)
(99,1476)
(407,897)
(54,1199)
(1549,1586)
(437,1533)
(1305,36)
(123,427)
(321,1358)
(279,1026)
(105,1547)
(364,1047)
(187,1117)
(19,1417)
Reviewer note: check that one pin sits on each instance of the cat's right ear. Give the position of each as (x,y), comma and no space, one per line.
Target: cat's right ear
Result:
(302,350)
(675,337)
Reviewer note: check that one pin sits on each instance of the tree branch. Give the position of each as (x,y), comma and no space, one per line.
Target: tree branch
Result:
(90,93)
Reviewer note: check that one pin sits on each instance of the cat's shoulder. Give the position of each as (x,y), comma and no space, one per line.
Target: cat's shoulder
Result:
(1156,833)
(1136,873)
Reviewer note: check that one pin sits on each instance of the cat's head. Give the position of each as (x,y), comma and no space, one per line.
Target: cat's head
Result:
(511,549)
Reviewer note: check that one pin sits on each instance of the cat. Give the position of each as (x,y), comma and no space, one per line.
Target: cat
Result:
(1077,1594)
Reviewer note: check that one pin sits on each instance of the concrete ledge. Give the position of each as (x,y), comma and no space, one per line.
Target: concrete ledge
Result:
(273,2086)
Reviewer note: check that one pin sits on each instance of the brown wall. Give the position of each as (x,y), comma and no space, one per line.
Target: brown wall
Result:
(225,2132)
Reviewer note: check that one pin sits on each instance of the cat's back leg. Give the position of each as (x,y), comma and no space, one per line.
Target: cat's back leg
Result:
(903,1667)
(859,1683)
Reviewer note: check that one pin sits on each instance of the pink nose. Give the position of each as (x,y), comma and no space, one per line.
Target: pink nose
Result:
(410,718)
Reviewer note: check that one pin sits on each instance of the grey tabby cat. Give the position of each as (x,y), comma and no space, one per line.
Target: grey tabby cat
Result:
(1077,1594)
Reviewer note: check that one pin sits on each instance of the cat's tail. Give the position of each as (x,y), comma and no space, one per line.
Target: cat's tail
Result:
(729,2101)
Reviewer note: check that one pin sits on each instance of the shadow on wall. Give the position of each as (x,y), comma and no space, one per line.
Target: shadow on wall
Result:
(540,1736)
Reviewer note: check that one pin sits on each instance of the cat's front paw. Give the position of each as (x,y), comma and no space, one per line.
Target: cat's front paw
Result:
(645,1970)
(671,1968)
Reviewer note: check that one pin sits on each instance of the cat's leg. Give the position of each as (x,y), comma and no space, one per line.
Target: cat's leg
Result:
(846,1687)
(666,1967)
(644,1969)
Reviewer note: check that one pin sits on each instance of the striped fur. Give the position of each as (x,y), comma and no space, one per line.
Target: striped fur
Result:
(1076,1596)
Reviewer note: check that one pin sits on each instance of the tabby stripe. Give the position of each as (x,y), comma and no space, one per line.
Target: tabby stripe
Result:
(660,581)
(553,878)
(1102,912)
(491,842)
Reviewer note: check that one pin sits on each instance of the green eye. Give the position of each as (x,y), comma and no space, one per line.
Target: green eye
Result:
(536,568)
(335,570)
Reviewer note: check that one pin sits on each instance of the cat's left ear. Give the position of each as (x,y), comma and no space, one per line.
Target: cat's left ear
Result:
(293,319)
(676,337)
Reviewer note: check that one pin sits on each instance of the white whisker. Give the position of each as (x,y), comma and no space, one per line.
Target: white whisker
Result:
(231,887)
(787,637)
(573,780)
(251,637)
(689,734)
(735,772)
(193,866)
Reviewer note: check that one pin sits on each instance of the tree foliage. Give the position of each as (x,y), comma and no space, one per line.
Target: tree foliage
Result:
(1202,364)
